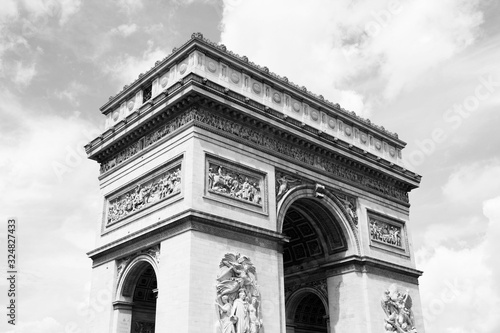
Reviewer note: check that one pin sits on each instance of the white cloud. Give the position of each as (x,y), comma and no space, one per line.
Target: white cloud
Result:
(350,44)
(72,93)
(62,9)
(9,10)
(23,74)
(124,30)
(46,325)
(473,183)
(459,287)
(130,6)
(125,68)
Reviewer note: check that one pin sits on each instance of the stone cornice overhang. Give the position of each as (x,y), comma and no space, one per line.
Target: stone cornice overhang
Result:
(189,220)
(195,90)
(360,264)
(198,43)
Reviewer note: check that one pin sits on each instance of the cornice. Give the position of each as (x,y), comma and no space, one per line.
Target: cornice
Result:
(141,124)
(189,220)
(219,51)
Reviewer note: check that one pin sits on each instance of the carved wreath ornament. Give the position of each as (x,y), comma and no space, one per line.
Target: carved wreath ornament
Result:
(238,298)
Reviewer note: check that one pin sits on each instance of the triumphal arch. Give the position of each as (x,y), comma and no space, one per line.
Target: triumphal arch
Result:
(235,201)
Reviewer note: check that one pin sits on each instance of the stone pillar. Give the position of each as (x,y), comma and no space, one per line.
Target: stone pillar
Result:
(122,317)
(172,304)
(347,300)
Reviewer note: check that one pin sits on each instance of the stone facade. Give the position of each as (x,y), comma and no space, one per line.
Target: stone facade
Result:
(237,201)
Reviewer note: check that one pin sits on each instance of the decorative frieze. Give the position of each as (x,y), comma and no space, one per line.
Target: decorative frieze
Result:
(299,154)
(159,187)
(397,307)
(387,233)
(238,298)
(233,182)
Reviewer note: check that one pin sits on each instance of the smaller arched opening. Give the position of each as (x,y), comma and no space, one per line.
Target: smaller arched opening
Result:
(307,312)
(136,297)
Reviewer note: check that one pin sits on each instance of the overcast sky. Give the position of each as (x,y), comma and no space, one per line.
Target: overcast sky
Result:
(426,69)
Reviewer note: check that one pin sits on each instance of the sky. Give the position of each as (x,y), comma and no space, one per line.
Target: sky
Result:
(428,70)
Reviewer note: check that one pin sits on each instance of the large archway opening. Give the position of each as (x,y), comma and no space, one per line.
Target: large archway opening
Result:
(315,238)
(144,301)
(137,300)
(307,314)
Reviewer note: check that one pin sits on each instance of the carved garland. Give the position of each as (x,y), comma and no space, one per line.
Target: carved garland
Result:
(250,135)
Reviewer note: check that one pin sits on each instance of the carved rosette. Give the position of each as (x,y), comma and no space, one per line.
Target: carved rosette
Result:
(237,296)
(397,307)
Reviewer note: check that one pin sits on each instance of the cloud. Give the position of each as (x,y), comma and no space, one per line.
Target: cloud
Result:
(459,287)
(72,93)
(473,183)
(62,9)
(124,30)
(46,325)
(130,6)
(9,10)
(125,69)
(23,74)
(351,46)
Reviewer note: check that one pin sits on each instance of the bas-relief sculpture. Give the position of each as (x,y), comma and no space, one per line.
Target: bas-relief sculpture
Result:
(385,232)
(238,298)
(286,182)
(250,135)
(397,307)
(235,184)
(160,187)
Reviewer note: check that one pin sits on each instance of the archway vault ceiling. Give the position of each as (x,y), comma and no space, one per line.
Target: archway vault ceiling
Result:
(313,233)
(145,285)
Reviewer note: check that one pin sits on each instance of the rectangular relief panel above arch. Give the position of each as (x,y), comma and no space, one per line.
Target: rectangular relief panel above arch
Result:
(388,233)
(158,188)
(235,184)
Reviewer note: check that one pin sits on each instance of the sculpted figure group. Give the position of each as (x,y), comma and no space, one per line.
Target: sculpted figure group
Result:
(238,299)
(397,307)
(144,194)
(385,233)
(227,182)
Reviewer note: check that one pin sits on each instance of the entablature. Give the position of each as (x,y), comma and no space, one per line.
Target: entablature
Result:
(237,74)
(199,102)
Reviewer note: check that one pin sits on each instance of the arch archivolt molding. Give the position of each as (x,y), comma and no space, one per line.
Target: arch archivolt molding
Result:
(342,208)
(128,270)
(293,296)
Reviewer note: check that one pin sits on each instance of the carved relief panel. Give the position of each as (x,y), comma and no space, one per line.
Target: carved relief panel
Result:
(387,233)
(159,186)
(235,184)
